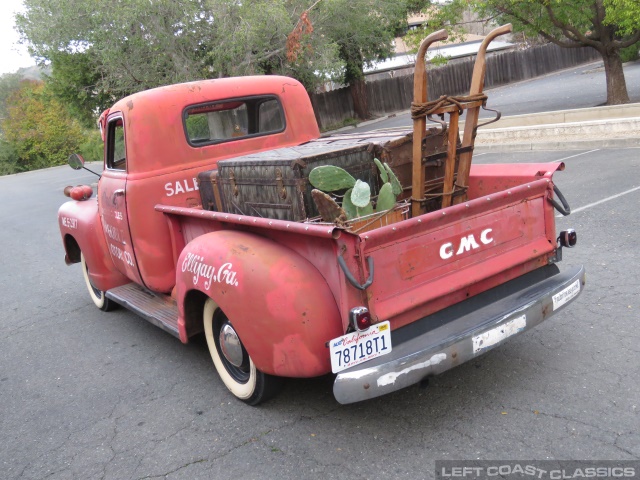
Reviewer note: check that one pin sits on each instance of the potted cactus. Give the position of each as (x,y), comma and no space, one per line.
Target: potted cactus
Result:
(357,202)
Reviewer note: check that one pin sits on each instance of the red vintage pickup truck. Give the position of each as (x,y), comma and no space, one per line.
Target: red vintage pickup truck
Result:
(383,308)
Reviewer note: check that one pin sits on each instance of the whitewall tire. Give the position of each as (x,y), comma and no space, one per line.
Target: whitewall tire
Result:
(237,372)
(98,296)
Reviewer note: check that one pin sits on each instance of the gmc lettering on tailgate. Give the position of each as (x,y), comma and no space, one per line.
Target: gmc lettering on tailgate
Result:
(465,244)
(449,247)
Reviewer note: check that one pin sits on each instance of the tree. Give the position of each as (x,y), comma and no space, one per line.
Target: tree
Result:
(75,82)
(270,37)
(129,46)
(9,84)
(101,51)
(36,131)
(623,13)
(363,31)
(608,26)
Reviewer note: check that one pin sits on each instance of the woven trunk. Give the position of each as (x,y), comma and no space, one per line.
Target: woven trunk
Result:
(274,184)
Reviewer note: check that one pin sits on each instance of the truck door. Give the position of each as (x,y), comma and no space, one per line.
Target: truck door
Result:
(113,200)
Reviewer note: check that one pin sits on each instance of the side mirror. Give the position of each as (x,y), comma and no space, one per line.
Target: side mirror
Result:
(76,161)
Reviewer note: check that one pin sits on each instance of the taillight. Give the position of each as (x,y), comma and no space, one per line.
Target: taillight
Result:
(568,238)
(360,318)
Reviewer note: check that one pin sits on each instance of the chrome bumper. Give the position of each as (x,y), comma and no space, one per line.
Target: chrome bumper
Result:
(461,332)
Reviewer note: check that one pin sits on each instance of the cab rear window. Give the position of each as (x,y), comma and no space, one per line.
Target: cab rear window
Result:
(227,120)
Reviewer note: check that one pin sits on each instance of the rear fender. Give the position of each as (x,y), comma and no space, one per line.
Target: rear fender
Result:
(277,301)
(81,231)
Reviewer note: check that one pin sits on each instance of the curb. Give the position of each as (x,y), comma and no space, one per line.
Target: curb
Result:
(559,145)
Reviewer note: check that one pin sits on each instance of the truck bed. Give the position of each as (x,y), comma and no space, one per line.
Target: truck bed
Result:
(424,264)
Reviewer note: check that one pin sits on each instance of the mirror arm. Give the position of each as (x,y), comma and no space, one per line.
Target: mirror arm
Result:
(95,173)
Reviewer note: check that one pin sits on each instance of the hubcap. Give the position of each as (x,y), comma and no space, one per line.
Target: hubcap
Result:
(230,345)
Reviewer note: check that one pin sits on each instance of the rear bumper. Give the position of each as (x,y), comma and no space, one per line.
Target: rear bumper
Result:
(461,332)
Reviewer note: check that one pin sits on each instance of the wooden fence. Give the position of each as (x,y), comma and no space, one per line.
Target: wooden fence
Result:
(396,93)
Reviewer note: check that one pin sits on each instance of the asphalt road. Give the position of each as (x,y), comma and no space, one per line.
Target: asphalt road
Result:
(579,87)
(87,395)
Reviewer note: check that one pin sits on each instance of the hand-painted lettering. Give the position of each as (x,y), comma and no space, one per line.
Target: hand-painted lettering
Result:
(118,254)
(195,264)
(69,222)
(446,251)
(113,233)
(181,186)
(465,244)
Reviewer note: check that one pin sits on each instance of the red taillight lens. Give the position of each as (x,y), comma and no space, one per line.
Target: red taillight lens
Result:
(360,318)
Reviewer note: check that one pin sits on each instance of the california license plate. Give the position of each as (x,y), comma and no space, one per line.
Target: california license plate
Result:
(359,347)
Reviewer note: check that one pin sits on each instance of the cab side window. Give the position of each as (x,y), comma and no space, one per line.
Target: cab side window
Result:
(116,152)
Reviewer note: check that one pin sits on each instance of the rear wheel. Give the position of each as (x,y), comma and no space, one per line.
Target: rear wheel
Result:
(98,296)
(233,363)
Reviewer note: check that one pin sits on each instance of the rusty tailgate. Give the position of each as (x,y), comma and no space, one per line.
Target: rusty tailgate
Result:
(427,263)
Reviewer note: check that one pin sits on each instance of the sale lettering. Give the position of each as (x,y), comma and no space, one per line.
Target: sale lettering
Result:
(195,264)
(181,186)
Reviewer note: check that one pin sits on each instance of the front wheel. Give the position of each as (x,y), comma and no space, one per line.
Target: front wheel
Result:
(98,296)
(233,363)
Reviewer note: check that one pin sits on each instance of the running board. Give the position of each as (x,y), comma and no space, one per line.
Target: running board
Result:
(159,309)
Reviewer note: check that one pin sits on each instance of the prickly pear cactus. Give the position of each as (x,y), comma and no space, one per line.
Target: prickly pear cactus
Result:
(386,198)
(357,200)
(393,180)
(329,210)
(330,178)
(381,170)
(348,206)
(361,194)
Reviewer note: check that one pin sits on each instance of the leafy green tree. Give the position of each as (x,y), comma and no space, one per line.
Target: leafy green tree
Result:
(363,31)
(446,16)
(8,158)
(36,129)
(100,50)
(254,37)
(625,14)
(129,45)
(75,82)
(607,26)
(9,84)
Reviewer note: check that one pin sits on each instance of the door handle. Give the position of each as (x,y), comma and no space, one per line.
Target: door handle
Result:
(116,194)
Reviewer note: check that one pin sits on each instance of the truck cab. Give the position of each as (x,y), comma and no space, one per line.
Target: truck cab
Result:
(156,142)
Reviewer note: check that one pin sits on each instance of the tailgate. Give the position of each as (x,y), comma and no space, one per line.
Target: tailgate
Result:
(427,263)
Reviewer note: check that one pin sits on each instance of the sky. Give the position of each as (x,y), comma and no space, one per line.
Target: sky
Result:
(12,55)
